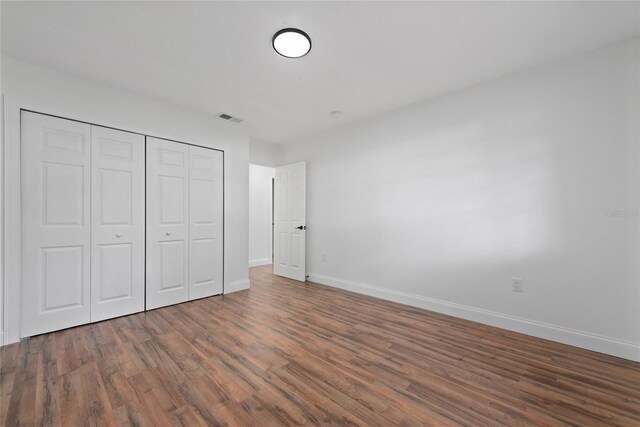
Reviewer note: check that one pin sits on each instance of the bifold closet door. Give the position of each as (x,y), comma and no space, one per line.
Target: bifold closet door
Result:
(117,223)
(56,223)
(184,222)
(83,223)
(167,222)
(205,222)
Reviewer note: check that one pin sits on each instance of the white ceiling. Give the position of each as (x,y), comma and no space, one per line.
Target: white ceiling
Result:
(367,57)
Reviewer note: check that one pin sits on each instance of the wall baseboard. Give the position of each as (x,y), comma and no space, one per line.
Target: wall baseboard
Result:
(586,340)
(239,285)
(259,262)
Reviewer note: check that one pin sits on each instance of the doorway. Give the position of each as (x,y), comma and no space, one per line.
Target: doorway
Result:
(260,215)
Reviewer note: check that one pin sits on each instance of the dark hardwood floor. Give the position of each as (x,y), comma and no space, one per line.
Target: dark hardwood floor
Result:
(286,353)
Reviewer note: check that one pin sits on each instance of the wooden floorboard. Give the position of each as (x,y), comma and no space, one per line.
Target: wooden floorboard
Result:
(287,353)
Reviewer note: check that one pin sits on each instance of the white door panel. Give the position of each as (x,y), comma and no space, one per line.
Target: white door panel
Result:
(167,222)
(118,215)
(55,179)
(205,222)
(290,217)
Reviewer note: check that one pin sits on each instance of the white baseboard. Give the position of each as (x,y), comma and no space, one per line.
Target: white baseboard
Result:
(240,285)
(589,341)
(259,262)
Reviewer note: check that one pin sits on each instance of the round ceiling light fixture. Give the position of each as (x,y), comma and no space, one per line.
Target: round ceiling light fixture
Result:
(291,43)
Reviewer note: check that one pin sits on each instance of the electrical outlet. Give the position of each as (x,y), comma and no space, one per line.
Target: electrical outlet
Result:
(517,284)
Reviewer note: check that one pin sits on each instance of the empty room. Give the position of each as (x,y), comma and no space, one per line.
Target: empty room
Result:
(356,213)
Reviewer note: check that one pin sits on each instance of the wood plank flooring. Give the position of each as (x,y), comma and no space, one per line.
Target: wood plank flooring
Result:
(285,353)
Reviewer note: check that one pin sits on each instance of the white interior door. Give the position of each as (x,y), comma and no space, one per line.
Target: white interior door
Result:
(289,218)
(167,222)
(205,222)
(56,226)
(117,223)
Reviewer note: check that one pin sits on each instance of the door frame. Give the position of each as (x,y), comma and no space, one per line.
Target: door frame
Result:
(11,230)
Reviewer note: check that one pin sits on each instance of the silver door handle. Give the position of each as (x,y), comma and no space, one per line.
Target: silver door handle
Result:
(118,235)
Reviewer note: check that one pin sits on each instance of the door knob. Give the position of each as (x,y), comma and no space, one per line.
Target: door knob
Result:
(118,235)
(302,227)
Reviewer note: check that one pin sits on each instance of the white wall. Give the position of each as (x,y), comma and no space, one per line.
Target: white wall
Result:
(264,153)
(84,100)
(260,214)
(441,204)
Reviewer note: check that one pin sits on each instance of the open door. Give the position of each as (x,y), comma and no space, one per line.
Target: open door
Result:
(290,198)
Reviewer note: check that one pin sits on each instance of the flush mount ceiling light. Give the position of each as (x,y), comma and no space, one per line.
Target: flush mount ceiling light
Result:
(291,43)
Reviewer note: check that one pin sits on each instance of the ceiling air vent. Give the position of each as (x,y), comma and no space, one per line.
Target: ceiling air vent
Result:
(229,118)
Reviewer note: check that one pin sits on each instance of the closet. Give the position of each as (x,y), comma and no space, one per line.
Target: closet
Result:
(114,223)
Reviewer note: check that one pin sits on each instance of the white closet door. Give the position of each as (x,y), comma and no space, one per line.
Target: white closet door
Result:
(117,223)
(205,222)
(56,226)
(167,222)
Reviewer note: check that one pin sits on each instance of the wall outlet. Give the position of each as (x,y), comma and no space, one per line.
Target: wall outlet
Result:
(516,284)
(324,258)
